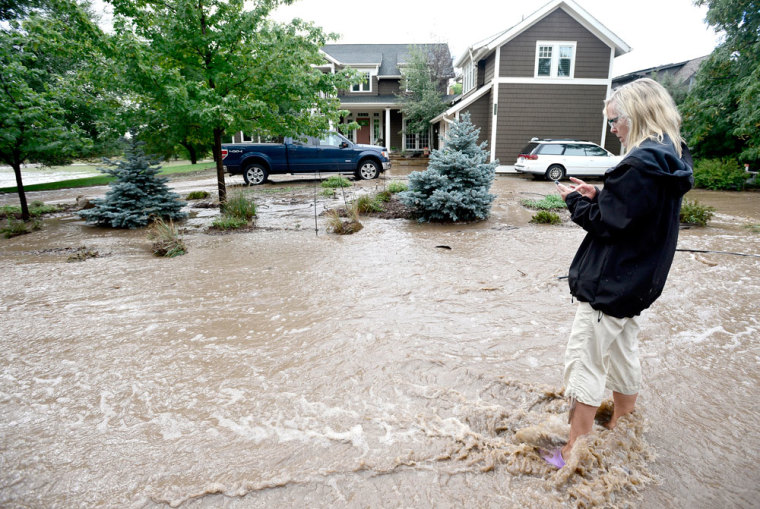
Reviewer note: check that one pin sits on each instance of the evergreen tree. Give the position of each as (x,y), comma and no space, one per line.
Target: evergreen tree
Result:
(456,184)
(137,196)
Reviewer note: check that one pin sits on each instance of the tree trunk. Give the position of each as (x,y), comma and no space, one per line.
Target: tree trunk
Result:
(219,167)
(190,151)
(21,194)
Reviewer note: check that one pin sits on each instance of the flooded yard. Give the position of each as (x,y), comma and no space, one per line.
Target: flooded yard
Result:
(407,365)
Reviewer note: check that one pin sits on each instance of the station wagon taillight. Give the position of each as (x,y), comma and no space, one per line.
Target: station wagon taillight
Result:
(530,157)
(224,153)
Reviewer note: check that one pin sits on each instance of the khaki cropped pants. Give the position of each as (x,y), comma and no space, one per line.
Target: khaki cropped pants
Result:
(602,352)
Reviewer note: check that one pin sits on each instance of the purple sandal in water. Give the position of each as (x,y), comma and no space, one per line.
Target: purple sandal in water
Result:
(554,457)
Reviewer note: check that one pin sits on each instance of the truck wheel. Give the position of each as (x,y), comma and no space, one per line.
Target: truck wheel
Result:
(255,174)
(368,169)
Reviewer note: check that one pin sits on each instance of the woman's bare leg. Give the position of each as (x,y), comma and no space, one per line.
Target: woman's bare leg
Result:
(624,404)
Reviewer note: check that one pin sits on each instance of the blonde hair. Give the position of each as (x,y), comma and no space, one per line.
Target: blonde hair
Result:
(649,111)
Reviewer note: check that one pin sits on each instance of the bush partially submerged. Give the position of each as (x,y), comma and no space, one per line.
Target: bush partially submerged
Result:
(693,212)
(336,224)
(197,195)
(336,181)
(166,240)
(239,212)
(14,227)
(545,217)
(396,186)
(549,202)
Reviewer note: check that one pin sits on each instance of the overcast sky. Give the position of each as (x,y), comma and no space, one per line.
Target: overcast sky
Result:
(658,31)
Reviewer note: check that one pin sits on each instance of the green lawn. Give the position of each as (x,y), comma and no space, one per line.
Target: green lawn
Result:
(101,180)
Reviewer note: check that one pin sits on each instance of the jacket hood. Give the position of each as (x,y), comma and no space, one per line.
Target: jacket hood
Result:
(662,161)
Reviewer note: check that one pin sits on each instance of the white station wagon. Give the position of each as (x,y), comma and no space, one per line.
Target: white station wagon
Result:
(557,159)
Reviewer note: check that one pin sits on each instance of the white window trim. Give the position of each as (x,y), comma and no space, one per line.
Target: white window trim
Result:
(372,73)
(469,77)
(555,59)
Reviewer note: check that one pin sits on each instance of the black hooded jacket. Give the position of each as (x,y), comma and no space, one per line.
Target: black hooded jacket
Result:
(621,266)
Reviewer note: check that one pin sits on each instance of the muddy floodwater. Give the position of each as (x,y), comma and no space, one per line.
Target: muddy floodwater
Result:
(407,365)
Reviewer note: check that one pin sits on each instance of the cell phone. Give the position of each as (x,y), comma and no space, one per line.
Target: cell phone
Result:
(556,182)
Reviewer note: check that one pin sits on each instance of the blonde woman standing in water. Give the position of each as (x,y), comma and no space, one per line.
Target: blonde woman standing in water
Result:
(621,265)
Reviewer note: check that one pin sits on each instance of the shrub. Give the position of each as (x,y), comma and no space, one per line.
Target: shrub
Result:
(456,185)
(545,217)
(137,196)
(36,209)
(719,174)
(336,224)
(239,206)
(550,202)
(366,204)
(396,186)
(166,240)
(14,227)
(336,181)
(695,213)
(197,195)
(225,222)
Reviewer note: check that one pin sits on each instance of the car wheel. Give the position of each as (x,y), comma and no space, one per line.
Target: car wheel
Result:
(368,169)
(555,172)
(255,174)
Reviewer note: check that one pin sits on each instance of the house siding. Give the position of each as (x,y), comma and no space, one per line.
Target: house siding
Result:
(480,117)
(389,87)
(518,56)
(547,111)
(490,67)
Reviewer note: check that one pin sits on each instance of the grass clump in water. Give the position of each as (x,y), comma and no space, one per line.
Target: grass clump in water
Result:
(166,239)
(545,217)
(336,224)
(336,181)
(693,212)
(197,195)
(14,227)
(36,209)
(366,204)
(549,202)
(396,186)
(239,212)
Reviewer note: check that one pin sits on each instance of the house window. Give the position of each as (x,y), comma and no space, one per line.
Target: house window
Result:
(555,59)
(468,78)
(364,86)
(414,141)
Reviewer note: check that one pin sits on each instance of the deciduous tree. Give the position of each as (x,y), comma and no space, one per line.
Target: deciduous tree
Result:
(422,96)
(722,112)
(228,68)
(47,101)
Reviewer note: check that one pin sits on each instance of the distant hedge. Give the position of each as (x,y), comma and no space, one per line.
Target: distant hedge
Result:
(719,174)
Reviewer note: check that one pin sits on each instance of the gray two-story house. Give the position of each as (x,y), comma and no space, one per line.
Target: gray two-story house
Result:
(375,104)
(545,77)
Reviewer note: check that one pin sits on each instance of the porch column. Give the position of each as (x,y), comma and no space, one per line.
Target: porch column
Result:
(388,129)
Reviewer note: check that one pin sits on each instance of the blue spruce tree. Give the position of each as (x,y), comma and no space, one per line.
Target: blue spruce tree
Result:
(456,184)
(137,196)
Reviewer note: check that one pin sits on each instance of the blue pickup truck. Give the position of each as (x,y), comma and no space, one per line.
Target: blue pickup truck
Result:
(331,152)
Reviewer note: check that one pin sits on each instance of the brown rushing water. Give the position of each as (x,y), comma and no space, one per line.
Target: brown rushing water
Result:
(279,368)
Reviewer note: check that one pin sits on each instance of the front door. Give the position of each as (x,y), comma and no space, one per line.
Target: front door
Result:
(363,133)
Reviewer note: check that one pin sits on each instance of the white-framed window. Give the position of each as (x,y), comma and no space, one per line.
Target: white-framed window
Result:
(366,85)
(415,141)
(468,78)
(555,59)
